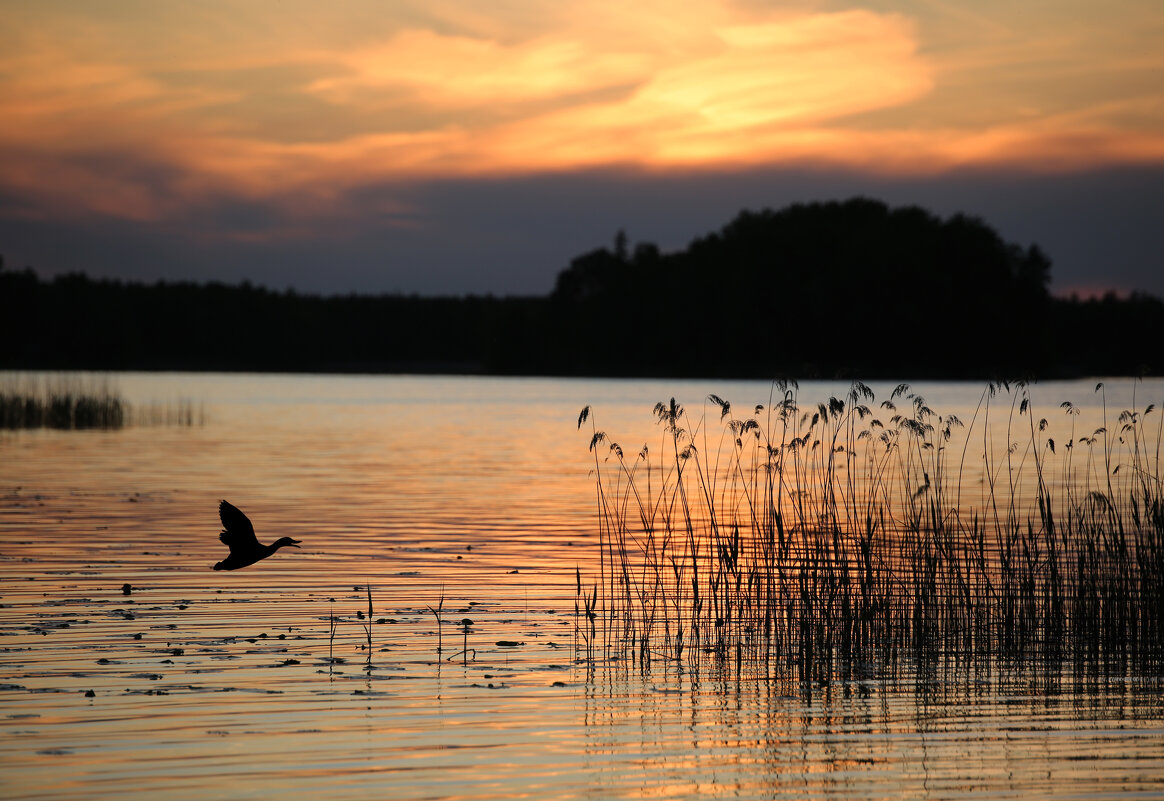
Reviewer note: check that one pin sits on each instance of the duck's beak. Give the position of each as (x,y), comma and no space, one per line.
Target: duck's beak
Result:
(296,542)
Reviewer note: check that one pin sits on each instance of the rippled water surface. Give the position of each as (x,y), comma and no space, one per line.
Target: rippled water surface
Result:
(471,498)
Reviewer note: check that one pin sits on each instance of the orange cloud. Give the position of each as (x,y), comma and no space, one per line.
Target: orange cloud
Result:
(142,118)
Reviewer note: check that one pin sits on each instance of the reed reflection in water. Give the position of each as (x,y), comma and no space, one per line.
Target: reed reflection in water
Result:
(480,491)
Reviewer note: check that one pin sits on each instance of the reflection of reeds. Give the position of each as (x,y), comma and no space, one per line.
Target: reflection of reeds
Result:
(74,403)
(821,537)
(182,412)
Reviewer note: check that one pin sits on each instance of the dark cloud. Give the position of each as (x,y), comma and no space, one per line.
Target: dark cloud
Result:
(512,236)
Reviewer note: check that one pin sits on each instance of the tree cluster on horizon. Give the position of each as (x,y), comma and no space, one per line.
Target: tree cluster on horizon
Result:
(852,288)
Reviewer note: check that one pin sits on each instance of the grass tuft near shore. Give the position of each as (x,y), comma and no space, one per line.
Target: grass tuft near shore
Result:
(83,403)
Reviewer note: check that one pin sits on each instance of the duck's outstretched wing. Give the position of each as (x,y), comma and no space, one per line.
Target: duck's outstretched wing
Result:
(238,533)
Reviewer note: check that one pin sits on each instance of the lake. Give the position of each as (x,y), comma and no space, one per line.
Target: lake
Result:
(423,642)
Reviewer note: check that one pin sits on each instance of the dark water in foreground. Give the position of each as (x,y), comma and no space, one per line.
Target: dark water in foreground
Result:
(233,685)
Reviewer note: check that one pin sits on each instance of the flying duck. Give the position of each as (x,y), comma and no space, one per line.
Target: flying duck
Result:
(239,535)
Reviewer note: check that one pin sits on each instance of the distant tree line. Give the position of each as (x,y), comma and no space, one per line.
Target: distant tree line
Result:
(845,289)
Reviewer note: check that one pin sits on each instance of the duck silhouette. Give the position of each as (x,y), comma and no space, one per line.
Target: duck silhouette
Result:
(239,535)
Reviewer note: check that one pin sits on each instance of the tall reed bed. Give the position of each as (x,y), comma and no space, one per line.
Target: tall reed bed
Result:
(808,538)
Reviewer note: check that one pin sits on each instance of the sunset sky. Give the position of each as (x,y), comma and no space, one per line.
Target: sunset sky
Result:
(448,147)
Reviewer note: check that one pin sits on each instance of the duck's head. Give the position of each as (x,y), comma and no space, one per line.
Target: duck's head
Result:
(279,543)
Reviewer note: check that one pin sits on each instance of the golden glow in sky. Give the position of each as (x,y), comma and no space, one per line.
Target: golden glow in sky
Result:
(134,109)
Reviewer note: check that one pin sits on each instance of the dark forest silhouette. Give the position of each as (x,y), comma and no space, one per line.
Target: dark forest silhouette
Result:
(841,289)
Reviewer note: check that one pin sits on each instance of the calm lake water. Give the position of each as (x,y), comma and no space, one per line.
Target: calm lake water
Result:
(473,497)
